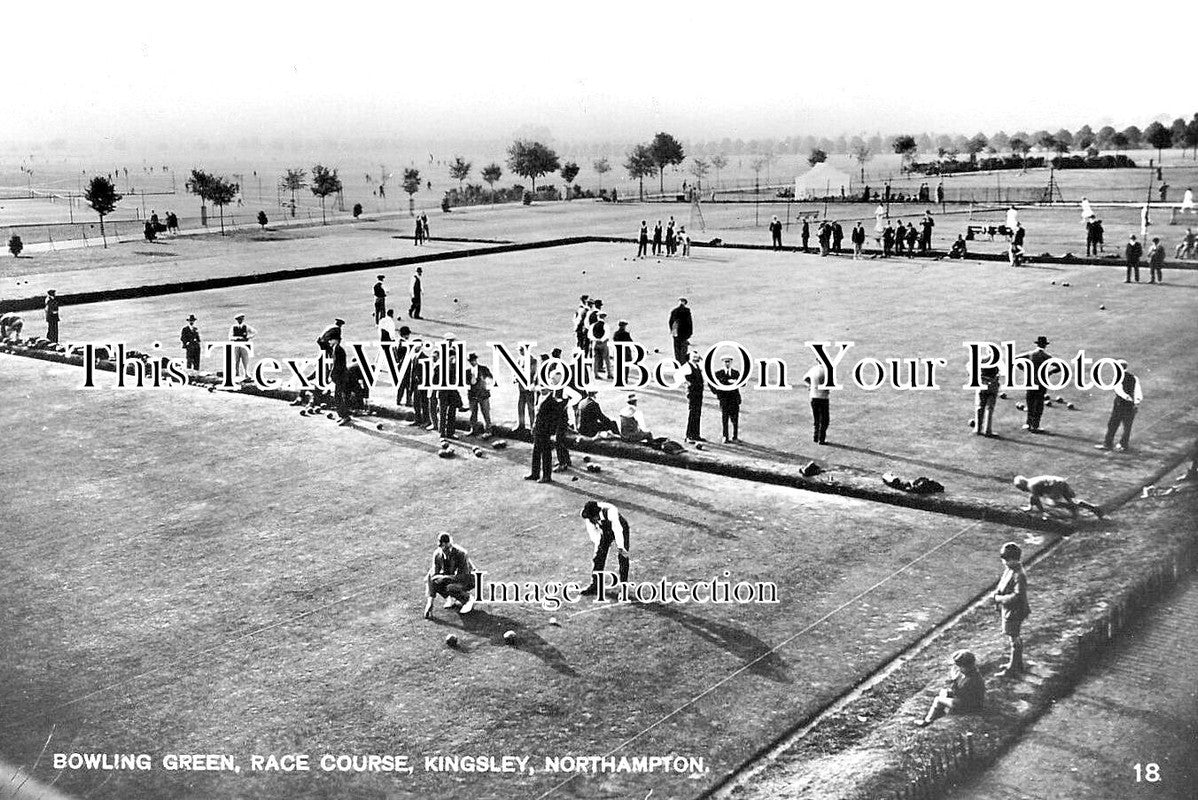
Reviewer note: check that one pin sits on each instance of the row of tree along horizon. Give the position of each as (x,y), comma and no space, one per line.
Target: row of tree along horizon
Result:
(533,160)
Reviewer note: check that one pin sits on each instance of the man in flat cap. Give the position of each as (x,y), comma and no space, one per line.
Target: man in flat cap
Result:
(52,315)
(380,299)
(451,577)
(190,339)
(241,333)
(1127,400)
(1010,597)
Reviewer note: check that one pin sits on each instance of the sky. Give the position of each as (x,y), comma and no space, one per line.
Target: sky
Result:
(466,70)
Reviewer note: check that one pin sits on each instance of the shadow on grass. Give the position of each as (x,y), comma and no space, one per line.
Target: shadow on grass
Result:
(754,653)
(454,323)
(918,462)
(672,519)
(491,626)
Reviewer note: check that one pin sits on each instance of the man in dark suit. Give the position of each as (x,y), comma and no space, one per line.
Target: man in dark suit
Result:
(776,232)
(694,398)
(341,379)
(417,292)
(806,234)
(543,429)
(380,300)
(52,315)
(729,399)
(642,240)
(190,337)
(657,239)
(1133,253)
(837,236)
(682,326)
(1035,395)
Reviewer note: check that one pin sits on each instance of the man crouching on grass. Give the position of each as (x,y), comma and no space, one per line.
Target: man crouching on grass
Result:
(452,577)
(1050,487)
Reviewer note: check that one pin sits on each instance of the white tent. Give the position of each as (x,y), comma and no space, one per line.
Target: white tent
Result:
(822,181)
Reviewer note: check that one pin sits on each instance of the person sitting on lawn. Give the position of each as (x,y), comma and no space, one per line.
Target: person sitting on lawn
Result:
(592,421)
(965,692)
(632,423)
(959,248)
(1057,490)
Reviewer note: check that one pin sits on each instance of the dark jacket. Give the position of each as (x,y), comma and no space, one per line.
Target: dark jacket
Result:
(681,323)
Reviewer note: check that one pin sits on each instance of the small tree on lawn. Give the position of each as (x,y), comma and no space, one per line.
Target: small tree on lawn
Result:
(459,170)
(15,245)
(324,183)
(569,172)
(1020,147)
(531,160)
(491,174)
(411,185)
(667,151)
(601,167)
(640,165)
(200,184)
(1159,137)
(718,162)
(262,220)
(102,196)
(293,181)
(861,153)
(905,147)
(699,168)
(221,192)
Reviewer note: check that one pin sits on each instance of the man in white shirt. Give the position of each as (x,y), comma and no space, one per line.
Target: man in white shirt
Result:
(239,331)
(817,387)
(1127,399)
(1056,489)
(605,526)
(387,326)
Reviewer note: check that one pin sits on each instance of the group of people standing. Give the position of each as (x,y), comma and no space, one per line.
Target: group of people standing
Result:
(667,242)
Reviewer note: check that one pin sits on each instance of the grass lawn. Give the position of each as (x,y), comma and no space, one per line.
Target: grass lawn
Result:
(193,572)
(773,303)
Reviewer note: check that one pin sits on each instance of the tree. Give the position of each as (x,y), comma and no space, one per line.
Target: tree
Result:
(1047,141)
(1119,141)
(601,167)
(262,220)
(324,183)
(718,162)
(817,157)
(1159,137)
(293,181)
(1134,135)
(1178,132)
(569,172)
(1191,137)
(102,196)
(905,146)
(220,193)
(699,168)
(491,174)
(1000,141)
(459,170)
(411,185)
(1021,147)
(640,165)
(200,184)
(1105,134)
(15,245)
(976,145)
(862,154)
(1064,137)
(531,160)
(666,151)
